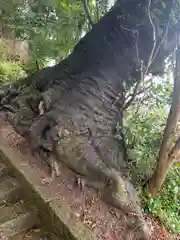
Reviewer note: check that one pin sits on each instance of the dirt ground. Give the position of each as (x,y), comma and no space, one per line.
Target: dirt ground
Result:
(104,221)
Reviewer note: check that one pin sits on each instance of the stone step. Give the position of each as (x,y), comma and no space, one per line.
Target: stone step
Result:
(54,212)
(17,222)
(9,190)
(15,219)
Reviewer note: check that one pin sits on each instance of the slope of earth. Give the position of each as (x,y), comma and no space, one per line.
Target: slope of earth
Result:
(103,220)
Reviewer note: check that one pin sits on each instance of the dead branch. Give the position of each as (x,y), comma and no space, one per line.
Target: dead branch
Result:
(165,32)
(154,39)
(136,93)
(142,72)
(133,95)
(152,55)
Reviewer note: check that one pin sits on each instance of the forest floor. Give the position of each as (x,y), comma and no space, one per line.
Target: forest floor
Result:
(86,205)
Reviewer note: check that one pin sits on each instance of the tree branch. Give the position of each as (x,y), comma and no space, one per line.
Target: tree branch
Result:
(155,48)
(135,93)
(126,105)
(154,40)
(153,53)
(166,31)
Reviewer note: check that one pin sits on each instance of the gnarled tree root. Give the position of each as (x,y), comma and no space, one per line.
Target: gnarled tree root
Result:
(55,135)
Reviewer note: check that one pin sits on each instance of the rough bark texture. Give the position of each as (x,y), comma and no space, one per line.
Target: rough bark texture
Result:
(166,155)
(82,98)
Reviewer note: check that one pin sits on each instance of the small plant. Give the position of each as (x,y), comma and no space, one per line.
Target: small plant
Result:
(143,131)
(9,70)
(167,204)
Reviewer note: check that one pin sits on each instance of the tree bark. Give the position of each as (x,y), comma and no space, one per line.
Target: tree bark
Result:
(165,159)
(174,152)
(82,98)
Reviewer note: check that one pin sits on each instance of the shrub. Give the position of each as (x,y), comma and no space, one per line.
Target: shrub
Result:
(9,70)
(143,130)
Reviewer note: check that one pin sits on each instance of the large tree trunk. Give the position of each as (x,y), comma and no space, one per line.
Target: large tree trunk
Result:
(82,98)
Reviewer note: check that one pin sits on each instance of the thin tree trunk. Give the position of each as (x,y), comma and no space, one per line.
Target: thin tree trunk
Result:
(174,152)
(165,159)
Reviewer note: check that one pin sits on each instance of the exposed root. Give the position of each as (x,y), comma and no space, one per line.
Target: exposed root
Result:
(7,93)
(57,133)
(47,139)
(80,182)
(54,169)
(41,108)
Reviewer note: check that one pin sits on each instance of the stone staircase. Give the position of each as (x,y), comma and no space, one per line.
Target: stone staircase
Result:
(18,221)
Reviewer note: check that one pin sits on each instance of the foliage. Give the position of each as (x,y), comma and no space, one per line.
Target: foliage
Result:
(167,204)
(51,27)
(36,63)
(143,133)
(9,70)
(3,50)
(143,129)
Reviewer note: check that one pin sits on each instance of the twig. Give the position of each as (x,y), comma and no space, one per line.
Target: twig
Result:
(137,50)
(140,62)
(154,40)
(166,31)
(86,8)
(126,105)
(155,49)
(136,92)
(128,29)
(153,53)
(140,91)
